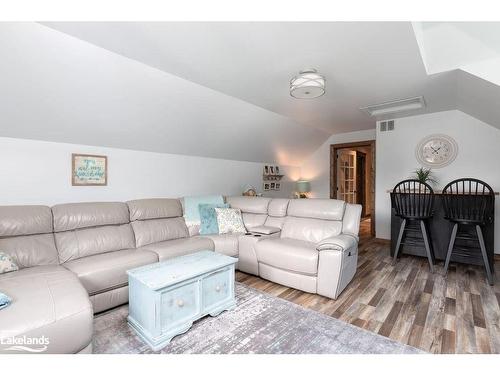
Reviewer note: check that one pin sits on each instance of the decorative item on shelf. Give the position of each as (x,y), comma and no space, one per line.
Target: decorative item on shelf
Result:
(425,175)
(249,191)
(271,178)
(308,84)
(302,188)
(89,170)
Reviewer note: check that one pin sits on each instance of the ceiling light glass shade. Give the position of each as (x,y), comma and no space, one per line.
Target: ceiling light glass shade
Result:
(307,85)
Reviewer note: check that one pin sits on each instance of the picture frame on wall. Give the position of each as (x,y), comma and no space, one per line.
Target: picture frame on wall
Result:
(266,170)
(271,170)
(273,186)
(277,169)
(89,170)
(267,186)
(277,186)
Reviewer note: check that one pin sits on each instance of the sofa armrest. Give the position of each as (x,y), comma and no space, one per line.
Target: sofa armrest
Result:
(342,242)
(264,229)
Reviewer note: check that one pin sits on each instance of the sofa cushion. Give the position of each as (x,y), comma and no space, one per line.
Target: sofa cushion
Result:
(47,301)
(252,205)
(312,230)
(253,220)
(226,244)
(32,250)
(25,220)
(278,207)
(326,209)
(85,242)
(183,246)
(72,216)
(158,230)
(289,254)
(273,221)
(26,235)
(102,272)
(155,208)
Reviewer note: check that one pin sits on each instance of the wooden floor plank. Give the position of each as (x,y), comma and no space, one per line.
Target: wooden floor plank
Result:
(448,342)
(454,313)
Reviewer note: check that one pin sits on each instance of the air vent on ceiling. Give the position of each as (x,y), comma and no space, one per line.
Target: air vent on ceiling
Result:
(387,126)
(402,105)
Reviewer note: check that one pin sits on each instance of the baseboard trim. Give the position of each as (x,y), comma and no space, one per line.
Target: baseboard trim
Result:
(383,240)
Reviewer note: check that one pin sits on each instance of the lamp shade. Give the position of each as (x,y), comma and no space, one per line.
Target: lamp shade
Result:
(307,85)
(303,186)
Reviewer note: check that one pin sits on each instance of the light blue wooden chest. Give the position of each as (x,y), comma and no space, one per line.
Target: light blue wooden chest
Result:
(166,298)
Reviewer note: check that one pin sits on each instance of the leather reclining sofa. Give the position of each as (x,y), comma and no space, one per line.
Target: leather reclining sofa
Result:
(73,257)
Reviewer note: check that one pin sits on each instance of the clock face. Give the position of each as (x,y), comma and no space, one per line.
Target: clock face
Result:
(436,151)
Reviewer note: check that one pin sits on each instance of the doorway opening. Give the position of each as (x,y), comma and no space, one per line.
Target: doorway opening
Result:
(352,178)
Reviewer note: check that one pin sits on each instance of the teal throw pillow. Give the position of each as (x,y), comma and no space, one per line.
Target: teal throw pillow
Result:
(208,218)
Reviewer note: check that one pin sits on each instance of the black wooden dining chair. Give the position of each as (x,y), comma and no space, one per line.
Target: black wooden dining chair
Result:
(469,202)
(413,201)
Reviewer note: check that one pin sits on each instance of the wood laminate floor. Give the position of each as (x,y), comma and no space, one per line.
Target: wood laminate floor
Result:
(459,313)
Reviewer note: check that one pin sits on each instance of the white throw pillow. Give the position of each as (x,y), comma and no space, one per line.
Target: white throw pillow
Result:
(7,264)
(229,220)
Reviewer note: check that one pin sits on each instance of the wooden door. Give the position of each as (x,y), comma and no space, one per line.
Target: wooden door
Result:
(346,176)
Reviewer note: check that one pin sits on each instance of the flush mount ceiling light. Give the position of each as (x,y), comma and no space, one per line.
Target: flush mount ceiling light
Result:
(395,106)
(307,85)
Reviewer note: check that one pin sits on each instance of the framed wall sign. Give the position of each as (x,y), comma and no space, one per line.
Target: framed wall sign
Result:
(89,170)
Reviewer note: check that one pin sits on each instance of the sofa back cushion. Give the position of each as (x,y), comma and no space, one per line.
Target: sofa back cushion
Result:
(315,208)
(311,230)
(253,209)
(157,220)
(313,220)
(277,212)
(72,216)
(26,235)
(154,208)
(84,229)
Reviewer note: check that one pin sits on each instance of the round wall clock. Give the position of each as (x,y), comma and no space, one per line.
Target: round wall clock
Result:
(436,151)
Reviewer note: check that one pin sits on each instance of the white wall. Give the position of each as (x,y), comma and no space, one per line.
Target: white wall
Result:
(38,172)
(317,167)
(479,157)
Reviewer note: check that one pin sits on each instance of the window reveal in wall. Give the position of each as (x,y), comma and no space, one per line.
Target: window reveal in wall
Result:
(89,170)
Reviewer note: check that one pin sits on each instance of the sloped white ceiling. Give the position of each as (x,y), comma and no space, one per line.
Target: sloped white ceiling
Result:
(217,89)
(470,50)
(363,62)
(58,88)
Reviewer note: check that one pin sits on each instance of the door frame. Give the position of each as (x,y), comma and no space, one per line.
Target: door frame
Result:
(333,173)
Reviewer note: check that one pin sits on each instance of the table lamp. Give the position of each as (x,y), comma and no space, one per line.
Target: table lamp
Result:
(303,187)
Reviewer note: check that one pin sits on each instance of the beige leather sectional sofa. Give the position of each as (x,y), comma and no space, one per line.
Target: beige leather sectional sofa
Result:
(73,257)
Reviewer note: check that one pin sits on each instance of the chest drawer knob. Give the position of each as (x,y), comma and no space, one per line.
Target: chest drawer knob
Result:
(180,303)
(217,288)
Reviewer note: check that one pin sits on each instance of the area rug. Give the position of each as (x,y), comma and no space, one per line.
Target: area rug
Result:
(260,323)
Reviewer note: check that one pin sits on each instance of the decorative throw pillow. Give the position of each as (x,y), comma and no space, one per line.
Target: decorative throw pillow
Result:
(5,300)
(191,211)
(208,218)
(229,220)
(7,264)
